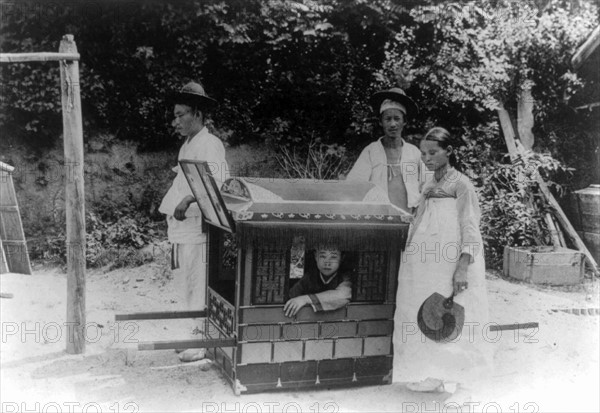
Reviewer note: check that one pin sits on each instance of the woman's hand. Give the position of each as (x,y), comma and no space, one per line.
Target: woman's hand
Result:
(293,305)
(182,207)
(459,279)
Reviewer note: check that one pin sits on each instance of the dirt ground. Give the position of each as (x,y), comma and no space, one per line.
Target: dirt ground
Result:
(555,368)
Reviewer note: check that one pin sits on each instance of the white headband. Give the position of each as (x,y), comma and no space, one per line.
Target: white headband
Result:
(391,104)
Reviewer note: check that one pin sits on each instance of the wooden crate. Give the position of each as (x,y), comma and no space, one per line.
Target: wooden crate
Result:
(592,242)
(544,265)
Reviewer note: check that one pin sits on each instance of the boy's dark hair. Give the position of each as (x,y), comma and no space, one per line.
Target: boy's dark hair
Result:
(326,246)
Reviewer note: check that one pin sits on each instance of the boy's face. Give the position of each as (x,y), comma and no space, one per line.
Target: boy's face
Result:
(392,122)
(328,261)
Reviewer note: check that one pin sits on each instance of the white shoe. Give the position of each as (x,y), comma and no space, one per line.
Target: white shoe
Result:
(192,354)
(429,385)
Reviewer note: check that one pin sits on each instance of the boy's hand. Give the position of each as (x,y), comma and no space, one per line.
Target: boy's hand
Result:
(182,207)
(291,308)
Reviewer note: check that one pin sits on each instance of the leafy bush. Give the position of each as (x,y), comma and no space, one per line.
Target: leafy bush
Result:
(274,66)
(114,239)
(314,161)
(286,71)
(511,206)
(462,60)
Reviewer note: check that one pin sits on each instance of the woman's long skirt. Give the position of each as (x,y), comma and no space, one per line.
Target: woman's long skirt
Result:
(427,266)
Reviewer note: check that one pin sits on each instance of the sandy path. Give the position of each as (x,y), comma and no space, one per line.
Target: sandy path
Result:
(553,369)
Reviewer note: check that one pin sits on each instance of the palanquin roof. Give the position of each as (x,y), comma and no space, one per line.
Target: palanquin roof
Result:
(270,210)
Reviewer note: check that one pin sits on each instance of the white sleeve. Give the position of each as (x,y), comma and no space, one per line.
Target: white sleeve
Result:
(214,154)
(468,217)
(361,171)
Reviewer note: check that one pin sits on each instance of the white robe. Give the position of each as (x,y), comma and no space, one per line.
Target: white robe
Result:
(371,166)
(446,225)
(189,251)
(202,147)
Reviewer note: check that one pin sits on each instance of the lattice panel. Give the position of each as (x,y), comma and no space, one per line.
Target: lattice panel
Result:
(269,275)
(229,252)
(220,312)
(371,276)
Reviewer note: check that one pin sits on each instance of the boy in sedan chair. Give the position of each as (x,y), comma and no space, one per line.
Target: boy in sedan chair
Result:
(327,288)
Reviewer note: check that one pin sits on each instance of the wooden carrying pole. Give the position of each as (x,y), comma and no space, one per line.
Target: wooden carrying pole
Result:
(74,196)
(514,152)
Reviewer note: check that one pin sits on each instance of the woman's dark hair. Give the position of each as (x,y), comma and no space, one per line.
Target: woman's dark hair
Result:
(444,139)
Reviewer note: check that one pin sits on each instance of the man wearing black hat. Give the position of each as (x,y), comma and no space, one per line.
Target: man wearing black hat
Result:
(390,162)
(184,218)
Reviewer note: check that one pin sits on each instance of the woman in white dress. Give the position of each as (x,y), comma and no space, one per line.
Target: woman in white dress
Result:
(444,254)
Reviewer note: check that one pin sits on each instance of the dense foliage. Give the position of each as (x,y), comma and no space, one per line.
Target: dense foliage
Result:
(512,207)
(282,70)
(286,71)
(111,241)
(463,61)
(299,73)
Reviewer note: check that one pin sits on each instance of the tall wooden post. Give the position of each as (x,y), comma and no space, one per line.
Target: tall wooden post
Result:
(74,197)
(525,115)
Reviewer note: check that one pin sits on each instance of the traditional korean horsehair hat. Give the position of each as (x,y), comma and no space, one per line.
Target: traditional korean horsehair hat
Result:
(394,98)
(192,94)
